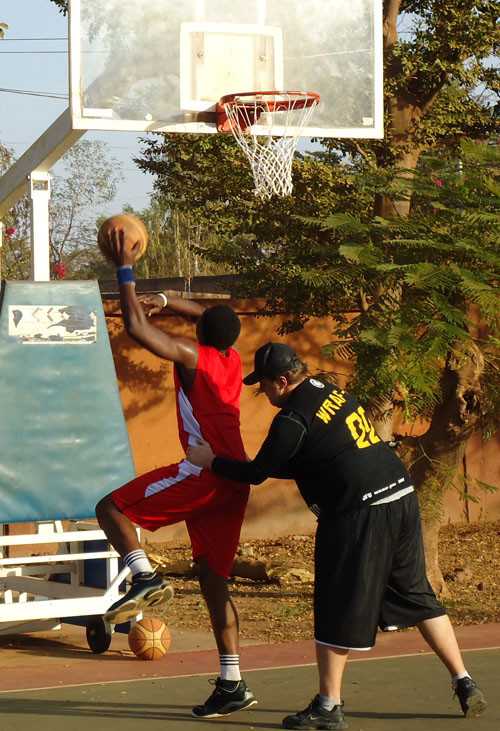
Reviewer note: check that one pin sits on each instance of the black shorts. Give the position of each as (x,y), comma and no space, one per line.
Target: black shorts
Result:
(370,572)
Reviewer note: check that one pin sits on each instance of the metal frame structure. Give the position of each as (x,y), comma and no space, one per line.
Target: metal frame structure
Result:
(31,596)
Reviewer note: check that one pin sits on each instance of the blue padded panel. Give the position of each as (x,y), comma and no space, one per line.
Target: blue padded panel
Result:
(63,439)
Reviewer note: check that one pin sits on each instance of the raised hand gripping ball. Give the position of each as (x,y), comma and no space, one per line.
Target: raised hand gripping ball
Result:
(149,639)
(133,228)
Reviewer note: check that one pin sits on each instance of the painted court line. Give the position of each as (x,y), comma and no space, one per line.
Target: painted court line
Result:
(246,670)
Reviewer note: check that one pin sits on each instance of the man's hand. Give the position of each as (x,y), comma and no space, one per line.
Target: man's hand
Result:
(201,455)
(152,304)
(124,249)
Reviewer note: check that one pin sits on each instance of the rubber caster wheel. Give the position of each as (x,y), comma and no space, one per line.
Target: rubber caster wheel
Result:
(98,636)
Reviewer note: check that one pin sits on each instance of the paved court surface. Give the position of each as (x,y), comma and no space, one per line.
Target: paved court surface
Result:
(397,694)
(54,682)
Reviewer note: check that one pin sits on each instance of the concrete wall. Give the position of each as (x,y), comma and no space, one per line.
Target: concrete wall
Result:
(146,386)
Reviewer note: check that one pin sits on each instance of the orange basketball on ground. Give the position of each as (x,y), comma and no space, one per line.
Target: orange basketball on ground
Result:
(133,228)
(149,639)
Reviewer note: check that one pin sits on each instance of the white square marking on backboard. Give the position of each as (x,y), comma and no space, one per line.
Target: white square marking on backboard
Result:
(224,58)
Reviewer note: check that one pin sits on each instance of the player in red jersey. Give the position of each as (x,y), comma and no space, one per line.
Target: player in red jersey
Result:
(207,374)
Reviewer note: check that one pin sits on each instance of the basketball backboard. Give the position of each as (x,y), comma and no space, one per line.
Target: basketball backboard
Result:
(163,64)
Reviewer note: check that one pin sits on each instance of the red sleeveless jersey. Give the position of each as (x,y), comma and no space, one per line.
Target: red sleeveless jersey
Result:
(211,409)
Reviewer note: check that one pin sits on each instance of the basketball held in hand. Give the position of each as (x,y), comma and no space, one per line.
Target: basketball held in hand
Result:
(135,232)
(149,639)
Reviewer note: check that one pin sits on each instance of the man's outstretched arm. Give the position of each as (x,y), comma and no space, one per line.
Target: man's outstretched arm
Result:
(156,303)
(285,438)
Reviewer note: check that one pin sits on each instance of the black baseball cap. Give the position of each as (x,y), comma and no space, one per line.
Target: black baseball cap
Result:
(272,360)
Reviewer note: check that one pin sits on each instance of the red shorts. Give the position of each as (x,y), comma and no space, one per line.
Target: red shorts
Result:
(212,507)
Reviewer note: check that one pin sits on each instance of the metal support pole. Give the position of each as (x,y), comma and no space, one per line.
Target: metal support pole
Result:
(40,196)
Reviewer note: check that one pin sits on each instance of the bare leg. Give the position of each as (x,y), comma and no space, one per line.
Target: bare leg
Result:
(119,530)
(331,666)
(223,615)
(440,636)
(230,694)
(150,590)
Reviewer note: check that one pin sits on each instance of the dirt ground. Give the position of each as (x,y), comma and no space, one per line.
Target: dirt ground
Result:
(281,609)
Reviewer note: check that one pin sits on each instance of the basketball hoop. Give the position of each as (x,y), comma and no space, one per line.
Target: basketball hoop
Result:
(266,126)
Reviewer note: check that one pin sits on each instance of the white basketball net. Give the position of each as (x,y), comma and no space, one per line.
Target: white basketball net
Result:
(267,126)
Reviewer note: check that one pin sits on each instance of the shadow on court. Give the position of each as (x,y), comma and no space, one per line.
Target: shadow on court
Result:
(397,694)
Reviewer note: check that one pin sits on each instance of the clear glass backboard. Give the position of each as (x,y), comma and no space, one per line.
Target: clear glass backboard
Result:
(163,64)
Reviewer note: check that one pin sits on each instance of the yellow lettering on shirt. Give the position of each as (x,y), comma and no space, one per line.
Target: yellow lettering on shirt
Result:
(330,406)
(337,399)
(323,414)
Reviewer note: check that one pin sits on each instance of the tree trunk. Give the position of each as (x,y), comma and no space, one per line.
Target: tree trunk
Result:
(434,469)
(389,207)
(434,459)
(430,530)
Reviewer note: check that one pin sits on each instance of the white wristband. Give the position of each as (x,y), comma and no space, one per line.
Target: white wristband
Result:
(164,297)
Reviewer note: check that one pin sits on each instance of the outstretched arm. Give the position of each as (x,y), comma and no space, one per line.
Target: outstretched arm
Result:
(180,350)
(156,303)
(281,444)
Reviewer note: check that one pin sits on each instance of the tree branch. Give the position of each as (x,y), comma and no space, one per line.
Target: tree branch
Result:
(366,157)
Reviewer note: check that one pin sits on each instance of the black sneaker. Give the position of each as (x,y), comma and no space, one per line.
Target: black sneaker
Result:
(147,590)
(316,717)
(229,696)
(471,697)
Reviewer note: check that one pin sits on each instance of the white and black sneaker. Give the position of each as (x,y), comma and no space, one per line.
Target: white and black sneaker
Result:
(316,717)
(147,590)
(229,696)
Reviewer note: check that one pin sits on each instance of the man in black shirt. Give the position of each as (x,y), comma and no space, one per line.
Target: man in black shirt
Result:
(369,558)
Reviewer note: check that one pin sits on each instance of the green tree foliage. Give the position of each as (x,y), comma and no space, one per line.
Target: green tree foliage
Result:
(440,76)
(207,180)
(426,283)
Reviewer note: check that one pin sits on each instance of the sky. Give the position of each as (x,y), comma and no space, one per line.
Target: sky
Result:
(42,66)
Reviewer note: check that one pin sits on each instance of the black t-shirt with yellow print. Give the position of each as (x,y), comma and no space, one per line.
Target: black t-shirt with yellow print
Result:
(323,439)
